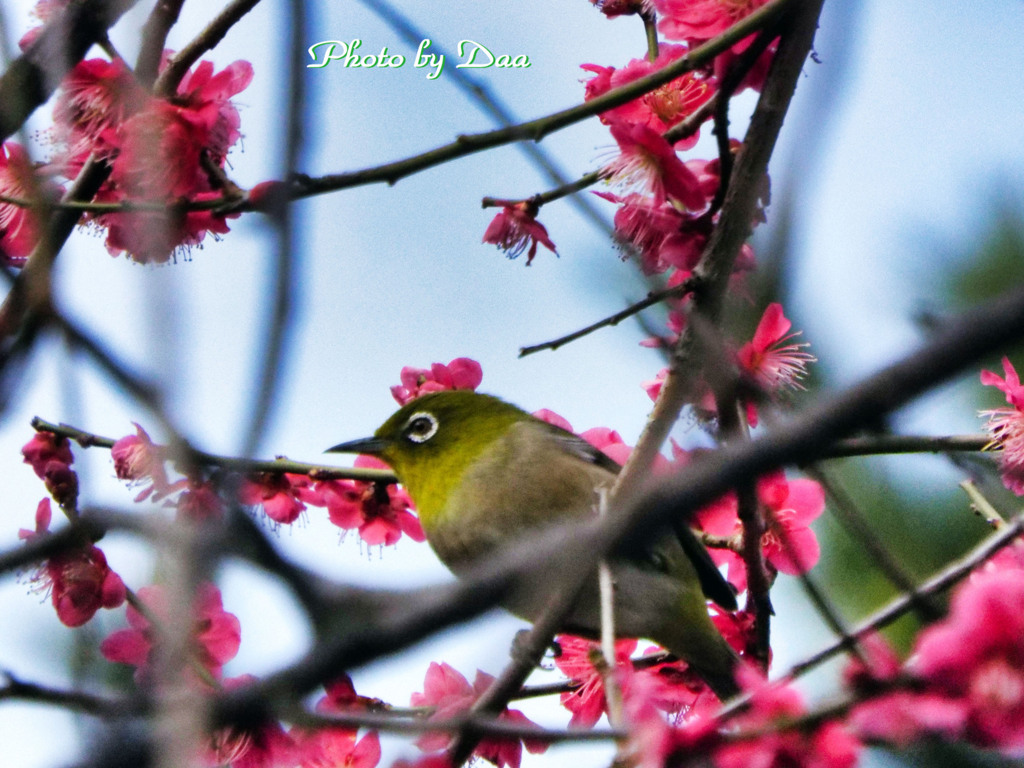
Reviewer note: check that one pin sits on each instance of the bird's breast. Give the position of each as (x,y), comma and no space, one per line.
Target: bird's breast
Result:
(523,482)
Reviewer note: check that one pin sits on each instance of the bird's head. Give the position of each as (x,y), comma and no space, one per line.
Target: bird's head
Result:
(430,442)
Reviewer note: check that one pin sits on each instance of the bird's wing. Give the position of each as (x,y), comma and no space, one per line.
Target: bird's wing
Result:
(712,582)
(580,448)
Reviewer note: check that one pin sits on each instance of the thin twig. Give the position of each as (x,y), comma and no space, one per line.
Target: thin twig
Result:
(651,32)
(655,297)
(982,506)
(829,612)
(232,463)
(606,591)
(527,650)
(125,206)
(685,128)
(732,80)
(485,726)
(32,78)
(897,444)
(491,105)
(74,701)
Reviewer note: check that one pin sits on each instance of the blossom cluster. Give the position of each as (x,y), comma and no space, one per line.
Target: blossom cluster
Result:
(667,205)
(964,681)
(448,693)
(770,364)
(215,639)
(163,152)
(664,213)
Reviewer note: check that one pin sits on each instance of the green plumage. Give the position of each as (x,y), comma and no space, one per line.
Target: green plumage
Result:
(483,473)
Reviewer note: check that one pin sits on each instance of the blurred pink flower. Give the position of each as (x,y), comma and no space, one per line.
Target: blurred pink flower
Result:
(217,634)
(975,657)
(826,745)
(586,700)
(19,226)
(78,581)
(450,694)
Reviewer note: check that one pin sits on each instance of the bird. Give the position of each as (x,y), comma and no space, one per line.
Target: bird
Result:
(485,474)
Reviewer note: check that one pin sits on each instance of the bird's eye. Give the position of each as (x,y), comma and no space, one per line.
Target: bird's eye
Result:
(420,427)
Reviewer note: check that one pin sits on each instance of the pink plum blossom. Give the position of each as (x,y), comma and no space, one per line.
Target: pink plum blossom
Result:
(769,360)
(216,633)
(281,494)
(975,657)
(450,694)
(789,544)
(19,226)
(50,458)
(515,229)
(1006,426)
(586,700)
(648,164)
(137,460)
(380,514)
(95,99)
(697,21)
(826,745)
(460,373)
(163,153)
(661,108)
(78,581)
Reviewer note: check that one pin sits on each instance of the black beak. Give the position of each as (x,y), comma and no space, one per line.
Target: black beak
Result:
(370,445)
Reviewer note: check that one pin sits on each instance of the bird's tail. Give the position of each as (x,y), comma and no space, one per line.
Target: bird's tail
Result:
(696,640)
(719,673)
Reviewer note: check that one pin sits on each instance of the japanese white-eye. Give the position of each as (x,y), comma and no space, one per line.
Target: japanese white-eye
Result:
(483,472)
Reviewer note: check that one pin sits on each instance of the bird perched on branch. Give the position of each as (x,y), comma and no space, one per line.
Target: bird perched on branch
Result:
(484,474)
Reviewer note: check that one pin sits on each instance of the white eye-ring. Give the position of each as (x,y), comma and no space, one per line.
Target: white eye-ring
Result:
(420,427)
